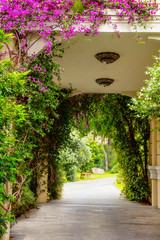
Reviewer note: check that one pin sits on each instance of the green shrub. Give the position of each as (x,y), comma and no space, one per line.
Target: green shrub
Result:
(115,168)
(111,157)
(98,155)
(28,201)
(72,173)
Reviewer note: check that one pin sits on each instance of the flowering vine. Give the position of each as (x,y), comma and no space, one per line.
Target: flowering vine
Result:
(68,17)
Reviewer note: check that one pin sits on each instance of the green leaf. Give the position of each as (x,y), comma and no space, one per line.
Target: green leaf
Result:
(78,7)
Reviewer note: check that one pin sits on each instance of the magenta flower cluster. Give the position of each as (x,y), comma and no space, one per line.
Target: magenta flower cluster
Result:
(23,17)
(44,16)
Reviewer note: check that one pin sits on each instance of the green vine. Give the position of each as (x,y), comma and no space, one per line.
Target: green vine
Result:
(11,116)
(111,116)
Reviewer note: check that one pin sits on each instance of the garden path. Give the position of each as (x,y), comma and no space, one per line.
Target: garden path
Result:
(90,210)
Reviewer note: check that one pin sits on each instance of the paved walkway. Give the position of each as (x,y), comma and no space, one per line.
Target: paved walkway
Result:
(90,210)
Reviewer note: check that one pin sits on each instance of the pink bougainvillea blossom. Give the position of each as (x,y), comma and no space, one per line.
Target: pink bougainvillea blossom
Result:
(46,16)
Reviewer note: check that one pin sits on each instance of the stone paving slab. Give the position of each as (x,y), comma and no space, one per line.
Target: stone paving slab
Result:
(90,210)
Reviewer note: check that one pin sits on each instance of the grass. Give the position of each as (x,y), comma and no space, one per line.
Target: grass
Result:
(119,185)
(97,176)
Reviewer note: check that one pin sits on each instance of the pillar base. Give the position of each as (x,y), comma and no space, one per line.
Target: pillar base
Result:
(42,197)
(42,189)
(158,187)
(154,192)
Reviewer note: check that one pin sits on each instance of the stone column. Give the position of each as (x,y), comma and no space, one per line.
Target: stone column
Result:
(153,141)
(154,167)
(153,163)
(150,164)
(154,187)
(158,148)
(42,180)
(158,186)
(158,163)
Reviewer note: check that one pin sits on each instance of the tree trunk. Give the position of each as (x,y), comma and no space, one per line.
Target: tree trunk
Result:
(106,157)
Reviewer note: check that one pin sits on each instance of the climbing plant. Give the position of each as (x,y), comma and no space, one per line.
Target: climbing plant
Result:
(44,102)
(32,108)
(110,116)
(147,102)
(11,115)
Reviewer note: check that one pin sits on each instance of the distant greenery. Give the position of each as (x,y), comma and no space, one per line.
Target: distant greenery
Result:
(98,155)
(75,156)
(80,155)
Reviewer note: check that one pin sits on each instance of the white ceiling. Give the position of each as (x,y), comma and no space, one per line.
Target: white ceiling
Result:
(81,68)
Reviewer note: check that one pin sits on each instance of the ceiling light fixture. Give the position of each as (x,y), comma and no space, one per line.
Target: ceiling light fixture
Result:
(104,81)
(107,57)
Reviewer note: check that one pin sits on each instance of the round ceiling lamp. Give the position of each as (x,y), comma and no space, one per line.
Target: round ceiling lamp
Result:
(104,81)
(107,57)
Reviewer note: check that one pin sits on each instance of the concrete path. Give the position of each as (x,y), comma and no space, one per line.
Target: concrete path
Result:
(90,210)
